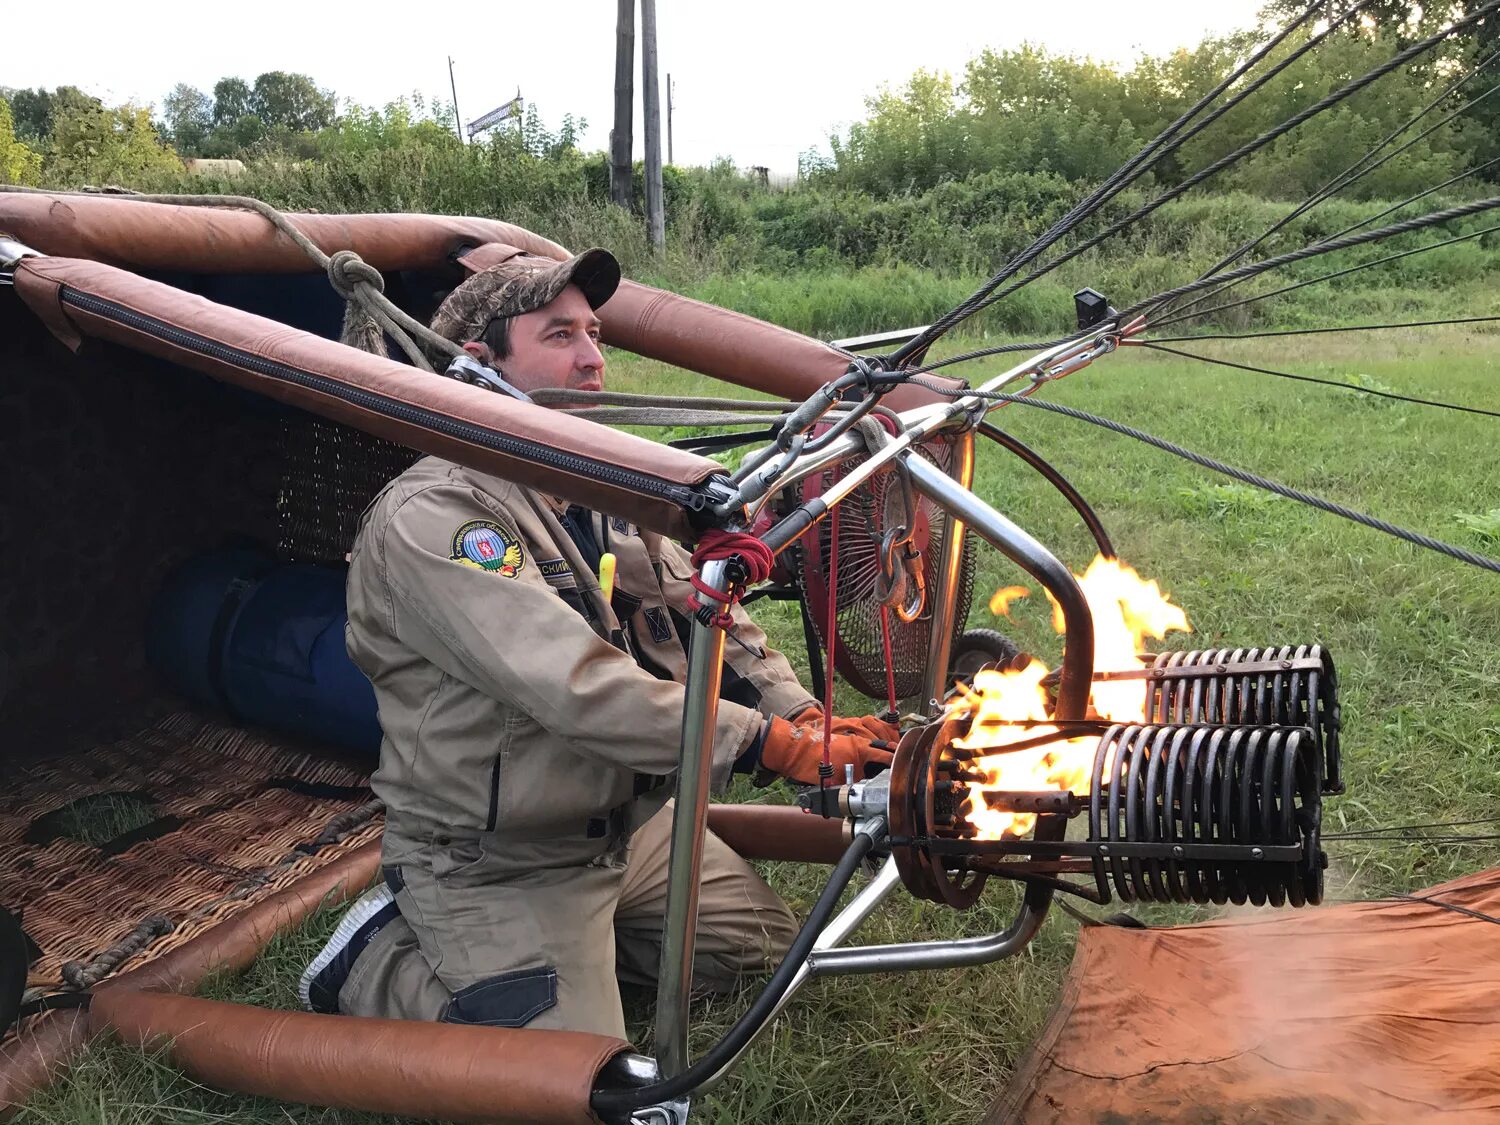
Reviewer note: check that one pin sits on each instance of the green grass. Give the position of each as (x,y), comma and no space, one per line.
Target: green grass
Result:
(1416,637)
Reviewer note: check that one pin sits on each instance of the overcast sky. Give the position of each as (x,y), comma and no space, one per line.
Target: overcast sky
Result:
(759,81)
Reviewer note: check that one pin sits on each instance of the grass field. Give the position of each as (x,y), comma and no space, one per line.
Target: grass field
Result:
(1416,637)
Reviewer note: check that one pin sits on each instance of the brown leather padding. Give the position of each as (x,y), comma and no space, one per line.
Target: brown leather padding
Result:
(38,281)
(161,236)
(778,832)
(1356,1014)
(651,322)
(448,1071)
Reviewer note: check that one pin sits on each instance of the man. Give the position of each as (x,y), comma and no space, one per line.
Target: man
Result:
(531,725)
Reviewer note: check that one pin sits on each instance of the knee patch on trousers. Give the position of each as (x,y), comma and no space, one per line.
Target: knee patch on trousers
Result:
(511,999)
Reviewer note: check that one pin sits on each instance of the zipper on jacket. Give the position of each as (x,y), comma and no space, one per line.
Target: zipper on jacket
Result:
(685,497)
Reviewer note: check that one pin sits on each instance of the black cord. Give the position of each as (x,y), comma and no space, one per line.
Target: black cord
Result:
(1318,331)
(621,1102)
(1057,480)
(1483,562)
(1123,176)
(1324,382)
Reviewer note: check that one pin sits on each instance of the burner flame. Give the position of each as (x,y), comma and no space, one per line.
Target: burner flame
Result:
(1011,705)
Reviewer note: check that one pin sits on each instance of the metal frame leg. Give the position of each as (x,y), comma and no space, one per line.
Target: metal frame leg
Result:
(689,822)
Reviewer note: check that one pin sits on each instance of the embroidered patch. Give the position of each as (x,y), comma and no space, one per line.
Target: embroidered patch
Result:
(488,546)
(656,621)
(554,568)
(622,526)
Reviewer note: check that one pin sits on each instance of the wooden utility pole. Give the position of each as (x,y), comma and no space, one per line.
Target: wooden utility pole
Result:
(458,123)
(620,139)
(670,159)
(651,106)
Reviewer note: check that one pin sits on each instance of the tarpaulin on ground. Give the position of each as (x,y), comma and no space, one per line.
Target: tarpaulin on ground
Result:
(1364,1012)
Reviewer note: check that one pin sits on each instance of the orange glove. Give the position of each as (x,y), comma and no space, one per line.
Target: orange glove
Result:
(867,725)
(796,752)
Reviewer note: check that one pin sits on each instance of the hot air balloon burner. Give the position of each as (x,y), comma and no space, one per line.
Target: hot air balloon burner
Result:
(1192,812)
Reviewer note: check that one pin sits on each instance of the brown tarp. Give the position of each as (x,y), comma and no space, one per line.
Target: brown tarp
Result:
(1382,1011)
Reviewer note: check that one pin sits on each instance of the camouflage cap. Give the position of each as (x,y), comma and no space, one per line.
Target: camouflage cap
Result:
(523,284)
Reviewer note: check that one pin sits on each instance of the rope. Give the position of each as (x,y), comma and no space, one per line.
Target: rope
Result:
(1324,382)
(1483,562)
(1247,149)
(754,558)
(825,767)
(80,975)
(358,282)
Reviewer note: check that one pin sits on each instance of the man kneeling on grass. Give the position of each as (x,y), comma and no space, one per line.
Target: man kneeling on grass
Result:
(531,724)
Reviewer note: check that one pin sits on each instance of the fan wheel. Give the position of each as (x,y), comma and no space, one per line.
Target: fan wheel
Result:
(864,517)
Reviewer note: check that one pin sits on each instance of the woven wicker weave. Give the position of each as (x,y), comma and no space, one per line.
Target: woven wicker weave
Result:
(241,821)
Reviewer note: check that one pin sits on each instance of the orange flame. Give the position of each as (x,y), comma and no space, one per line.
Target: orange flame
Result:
(1000,601)
(1010,706)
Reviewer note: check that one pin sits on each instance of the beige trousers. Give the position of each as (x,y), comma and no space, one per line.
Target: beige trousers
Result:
(546,948)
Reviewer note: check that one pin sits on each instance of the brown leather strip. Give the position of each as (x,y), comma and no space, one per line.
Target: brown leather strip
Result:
(447,1071)
(159,236)
(32,1059)
(36,281)
(778,832)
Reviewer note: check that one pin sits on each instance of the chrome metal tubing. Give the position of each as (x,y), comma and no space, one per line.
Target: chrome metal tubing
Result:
(689,822)
(945,594)
(1019,546)
(938,954)
(834,934)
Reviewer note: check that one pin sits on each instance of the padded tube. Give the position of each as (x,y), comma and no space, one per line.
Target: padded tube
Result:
(449,1071)
(164,236)
(40,282)
(651,322)
(778,832)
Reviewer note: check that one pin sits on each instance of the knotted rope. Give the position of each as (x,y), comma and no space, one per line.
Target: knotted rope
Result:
(754,559)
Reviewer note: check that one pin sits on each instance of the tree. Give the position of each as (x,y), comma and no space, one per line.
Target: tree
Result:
(33,110)
(103,146)
(232,98)
(18,163)
(291,101)
(188,115)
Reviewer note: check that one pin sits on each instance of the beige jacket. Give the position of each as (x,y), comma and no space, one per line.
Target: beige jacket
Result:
(515,702)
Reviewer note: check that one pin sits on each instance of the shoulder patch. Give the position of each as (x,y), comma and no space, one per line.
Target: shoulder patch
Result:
(554,568)
(485,545)
(620,525)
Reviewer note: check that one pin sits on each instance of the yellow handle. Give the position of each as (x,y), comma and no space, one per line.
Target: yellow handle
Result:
(607,574)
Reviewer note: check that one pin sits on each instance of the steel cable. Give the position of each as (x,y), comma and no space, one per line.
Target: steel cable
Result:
(1353,173)
(1483,562)
(1401,58)
(1406,226)
(1324,382)
(1123,177)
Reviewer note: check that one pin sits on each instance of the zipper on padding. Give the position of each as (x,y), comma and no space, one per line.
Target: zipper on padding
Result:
(681,495)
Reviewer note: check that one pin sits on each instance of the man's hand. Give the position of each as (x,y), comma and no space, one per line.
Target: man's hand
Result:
(795,752)
(867,725)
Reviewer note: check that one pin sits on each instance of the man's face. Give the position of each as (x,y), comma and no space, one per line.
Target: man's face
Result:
(555,347)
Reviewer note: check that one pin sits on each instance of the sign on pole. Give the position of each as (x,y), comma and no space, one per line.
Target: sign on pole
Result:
(510,111)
